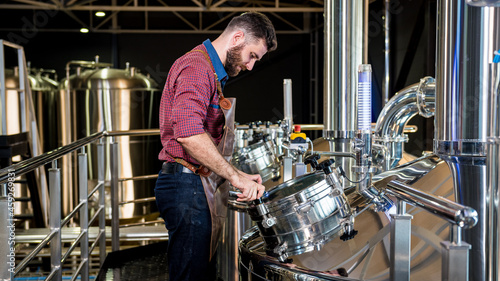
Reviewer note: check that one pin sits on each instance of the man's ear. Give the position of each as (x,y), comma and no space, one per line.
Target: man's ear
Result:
(237,38)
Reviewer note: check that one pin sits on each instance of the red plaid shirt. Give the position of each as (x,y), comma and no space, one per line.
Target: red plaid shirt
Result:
(189,105)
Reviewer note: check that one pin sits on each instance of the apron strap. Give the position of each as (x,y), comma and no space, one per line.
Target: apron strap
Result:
(223,102)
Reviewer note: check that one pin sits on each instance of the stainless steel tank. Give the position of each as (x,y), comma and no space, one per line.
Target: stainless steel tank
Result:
(107,99)
(43,95)
(366,256)
(46,100)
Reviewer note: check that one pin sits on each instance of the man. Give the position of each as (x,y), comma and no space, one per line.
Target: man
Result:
(196,124)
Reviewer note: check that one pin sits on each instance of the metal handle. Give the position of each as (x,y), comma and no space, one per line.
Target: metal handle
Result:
(463,216)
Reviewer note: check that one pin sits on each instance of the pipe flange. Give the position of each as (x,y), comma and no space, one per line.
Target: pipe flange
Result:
(426,88)
(386,139)
(493,140)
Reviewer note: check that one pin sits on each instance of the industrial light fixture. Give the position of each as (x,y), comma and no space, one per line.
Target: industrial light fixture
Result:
(84,30)
(100,14)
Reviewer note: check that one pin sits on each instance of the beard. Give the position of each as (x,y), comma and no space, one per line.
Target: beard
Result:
(234,60)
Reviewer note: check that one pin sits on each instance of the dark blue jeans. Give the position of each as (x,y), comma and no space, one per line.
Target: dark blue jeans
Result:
(183,205)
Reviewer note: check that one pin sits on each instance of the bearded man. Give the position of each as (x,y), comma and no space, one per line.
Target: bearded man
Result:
(196,127)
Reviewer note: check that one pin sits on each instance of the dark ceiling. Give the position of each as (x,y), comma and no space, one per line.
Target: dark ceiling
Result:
(150,16)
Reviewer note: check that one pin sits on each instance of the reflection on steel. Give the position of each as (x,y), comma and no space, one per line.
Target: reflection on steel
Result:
(81,234)
(455,213)
(287,107)
(484,3)
(493,175)
(463,85)
(16,102)
(344,30)
(412,100)
(343,55)
(258,158)
(365,256)
(105,99)
(299,215)
(387,51)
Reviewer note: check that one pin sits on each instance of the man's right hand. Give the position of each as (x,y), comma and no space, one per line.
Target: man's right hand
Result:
(249,185)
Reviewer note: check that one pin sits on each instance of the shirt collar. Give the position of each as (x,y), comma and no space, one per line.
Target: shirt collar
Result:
(216,62)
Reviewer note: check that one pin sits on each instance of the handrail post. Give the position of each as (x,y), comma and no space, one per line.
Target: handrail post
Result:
(7,257)
(102,215)
(115,216)
(455,257)
(55,219)
(400,244)
(84,220)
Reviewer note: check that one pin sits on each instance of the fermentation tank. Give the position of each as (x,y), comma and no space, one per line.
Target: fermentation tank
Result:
(107,99)
(44,91)
(44,95)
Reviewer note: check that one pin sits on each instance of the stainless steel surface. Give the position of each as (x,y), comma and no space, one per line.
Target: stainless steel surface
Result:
(20,116)
(84,214)
(227,254)
(7,264)
(366,256)
(463,216)
(55,221)
(69,234)
(455,261)
(299,215)
(493,176)
(102,215)
(461,95)
(117,100)
(46,102)
(258,158)
(277,273)
(418,98)
(115,215)
(484,3)
(287,107)
(343,54)
(31,164)
(76,236)
(343,47)
(463,85)
(387,53)
(3,94)
(400,247)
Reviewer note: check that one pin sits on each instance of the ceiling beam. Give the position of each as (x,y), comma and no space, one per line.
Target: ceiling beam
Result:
(149,31)
(161,8)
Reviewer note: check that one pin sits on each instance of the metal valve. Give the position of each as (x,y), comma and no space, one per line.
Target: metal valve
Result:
(326,166)
(313,160)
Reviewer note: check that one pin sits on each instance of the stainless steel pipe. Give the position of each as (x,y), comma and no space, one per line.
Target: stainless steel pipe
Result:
(466,39)
(288,106)
(493,175)
(453,212)
(344,44)
(343,54)
(418,98)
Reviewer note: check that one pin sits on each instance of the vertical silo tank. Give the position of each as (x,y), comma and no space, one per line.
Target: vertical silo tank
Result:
(44,95)
(107,99)
(46,100)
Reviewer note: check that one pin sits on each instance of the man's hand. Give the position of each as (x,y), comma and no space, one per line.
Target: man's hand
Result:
(201,148)
(250,186)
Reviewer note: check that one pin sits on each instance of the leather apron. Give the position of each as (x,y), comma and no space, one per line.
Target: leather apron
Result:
(216,187)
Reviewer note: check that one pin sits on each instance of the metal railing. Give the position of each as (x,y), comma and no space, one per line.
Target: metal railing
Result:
(9,269)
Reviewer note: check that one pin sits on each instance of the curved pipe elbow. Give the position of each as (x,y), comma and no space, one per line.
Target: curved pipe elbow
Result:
(418,98)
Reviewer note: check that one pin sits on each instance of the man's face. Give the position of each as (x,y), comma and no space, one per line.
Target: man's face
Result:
(244,56)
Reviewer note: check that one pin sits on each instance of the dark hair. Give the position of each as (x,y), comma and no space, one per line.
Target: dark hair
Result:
(256,26)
